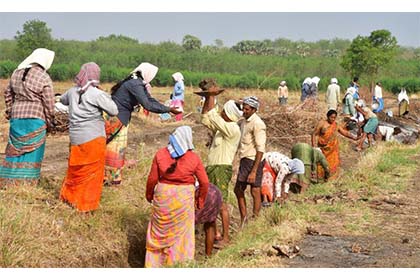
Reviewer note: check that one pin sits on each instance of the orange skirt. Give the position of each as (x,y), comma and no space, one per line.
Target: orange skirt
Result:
(82,186)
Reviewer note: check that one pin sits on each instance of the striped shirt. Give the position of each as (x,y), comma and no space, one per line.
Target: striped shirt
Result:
(33,98)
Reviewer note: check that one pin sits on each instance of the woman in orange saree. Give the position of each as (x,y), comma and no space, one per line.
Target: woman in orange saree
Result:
(326,132)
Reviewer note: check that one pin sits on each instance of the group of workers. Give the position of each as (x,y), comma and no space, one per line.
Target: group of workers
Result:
(182,191)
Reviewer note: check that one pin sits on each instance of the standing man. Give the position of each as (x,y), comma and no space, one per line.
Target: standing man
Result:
(332,96)
(377,97)
(251,152)
(222,150)
(282,93)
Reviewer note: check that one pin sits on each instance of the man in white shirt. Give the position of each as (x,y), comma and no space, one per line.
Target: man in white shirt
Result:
(387,133)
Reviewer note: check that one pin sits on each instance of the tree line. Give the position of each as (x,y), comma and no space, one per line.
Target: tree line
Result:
(247,64)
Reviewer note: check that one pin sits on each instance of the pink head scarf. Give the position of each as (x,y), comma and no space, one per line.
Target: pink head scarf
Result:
(88,76)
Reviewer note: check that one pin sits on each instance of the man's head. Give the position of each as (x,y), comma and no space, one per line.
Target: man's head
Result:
(331,116)
(356,79)
(397,130)
(250,106)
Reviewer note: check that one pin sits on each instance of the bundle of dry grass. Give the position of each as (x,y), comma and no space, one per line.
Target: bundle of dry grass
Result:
(292,124)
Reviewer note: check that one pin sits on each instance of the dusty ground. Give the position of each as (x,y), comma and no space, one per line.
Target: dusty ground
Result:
(395,245)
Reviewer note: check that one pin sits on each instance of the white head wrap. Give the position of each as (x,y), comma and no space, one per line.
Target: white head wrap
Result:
(43,57)
(282,83)
(334,81)
(147,70)
(351,90)
(232,111)
(178,77)
(315,80)
(308,81)
(403,96)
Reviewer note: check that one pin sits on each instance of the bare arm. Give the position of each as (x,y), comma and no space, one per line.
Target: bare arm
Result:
(316,132)
(208,104)
(346,133)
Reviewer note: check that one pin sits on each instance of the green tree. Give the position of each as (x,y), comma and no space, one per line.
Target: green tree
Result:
(190,42)
(367,55)
(35,34)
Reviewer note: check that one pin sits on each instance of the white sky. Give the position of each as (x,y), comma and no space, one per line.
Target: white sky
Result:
(229,20)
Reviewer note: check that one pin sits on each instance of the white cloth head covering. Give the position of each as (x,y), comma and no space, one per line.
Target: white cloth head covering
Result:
(282,83)
(403,96)
(232,111)
(334,81)
(296,166)
(315,80)
(308,81)
(252,101)
(43,57)
(178,77)
(180,141)
(351,90)
(147,70)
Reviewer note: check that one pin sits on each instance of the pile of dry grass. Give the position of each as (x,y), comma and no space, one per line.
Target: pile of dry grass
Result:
(292,124)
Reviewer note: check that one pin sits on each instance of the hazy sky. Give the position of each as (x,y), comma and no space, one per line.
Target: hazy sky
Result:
(229,27)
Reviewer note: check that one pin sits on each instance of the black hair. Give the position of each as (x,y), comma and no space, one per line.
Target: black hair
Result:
(355,79)
(331,112)
(171,169)
(25,73)
(397,130)
(129,77)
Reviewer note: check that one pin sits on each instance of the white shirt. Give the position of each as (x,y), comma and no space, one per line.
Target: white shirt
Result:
(387,132)
(378,92)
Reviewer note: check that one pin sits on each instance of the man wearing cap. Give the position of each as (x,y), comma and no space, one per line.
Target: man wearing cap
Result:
(332,97)
(251,151)
(222,150)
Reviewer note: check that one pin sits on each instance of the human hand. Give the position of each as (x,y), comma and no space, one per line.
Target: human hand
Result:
(175,110)
(251,177)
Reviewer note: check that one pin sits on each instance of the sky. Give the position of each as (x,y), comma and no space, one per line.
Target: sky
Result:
(231,21)
(229,27)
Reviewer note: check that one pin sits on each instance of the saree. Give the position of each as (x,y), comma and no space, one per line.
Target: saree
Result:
(220,175)
(180,104)
(115,149)
(328,142)
(170,235)
(268,179)
(211,208)
(82,186)
(24,152)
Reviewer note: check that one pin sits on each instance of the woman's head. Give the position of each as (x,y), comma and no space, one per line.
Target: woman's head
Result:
(180,141)
(232,111)
(296,166)
(178,77)
(331,115)
(89,75)
(41,56)
(148,71)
